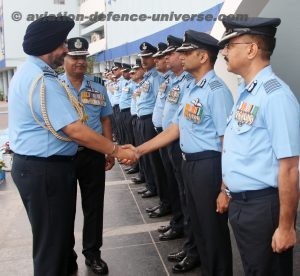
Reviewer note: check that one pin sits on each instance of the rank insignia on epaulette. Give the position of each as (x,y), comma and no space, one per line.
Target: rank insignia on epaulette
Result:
(215,85)
(272,85)
(252,86)
(202,83)
(246,113)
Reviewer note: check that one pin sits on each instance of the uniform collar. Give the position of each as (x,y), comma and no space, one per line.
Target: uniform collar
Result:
(254,85)
(41,64)
(180,77)
(205,79)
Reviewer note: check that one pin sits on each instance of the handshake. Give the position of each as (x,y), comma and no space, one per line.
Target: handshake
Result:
(127,154)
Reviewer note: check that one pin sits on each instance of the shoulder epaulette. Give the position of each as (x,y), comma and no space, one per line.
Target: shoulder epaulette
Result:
(47,73)
(214,85)
(272,85)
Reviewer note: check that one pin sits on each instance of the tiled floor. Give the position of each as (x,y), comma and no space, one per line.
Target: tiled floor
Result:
(131,246)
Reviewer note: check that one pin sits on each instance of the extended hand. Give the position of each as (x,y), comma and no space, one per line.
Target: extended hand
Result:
(128,154)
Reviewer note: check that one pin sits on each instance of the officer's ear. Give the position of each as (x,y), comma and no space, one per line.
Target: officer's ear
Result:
(203,56)
(252,50)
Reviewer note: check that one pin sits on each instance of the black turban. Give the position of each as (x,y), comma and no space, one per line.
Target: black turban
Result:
(46,33)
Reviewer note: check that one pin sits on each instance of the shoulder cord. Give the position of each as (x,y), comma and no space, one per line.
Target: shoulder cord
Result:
(76,104)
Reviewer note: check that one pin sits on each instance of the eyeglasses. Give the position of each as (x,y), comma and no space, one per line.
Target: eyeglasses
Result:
(227,45)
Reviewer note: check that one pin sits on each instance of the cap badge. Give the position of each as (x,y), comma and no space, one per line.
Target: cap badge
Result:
(144,47)
(78,44)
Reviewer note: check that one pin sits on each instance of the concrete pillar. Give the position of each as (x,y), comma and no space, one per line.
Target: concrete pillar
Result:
(9,77)
(5,83)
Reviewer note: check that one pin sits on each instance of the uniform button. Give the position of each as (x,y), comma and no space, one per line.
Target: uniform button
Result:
(224,151)
(181,145)
(223,174)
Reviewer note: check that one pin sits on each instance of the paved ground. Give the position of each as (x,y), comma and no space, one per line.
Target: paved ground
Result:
(131,246)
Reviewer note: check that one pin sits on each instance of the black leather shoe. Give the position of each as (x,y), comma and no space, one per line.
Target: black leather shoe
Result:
(170,235)
(97,265)
(177,256)
(148,194)
(187,264)
(141,191)
(137,180)
(163,228)
(160,212)
(151,209)
(132,171)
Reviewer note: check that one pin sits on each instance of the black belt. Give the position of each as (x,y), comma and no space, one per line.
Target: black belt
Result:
(200,155)
(158,129)
(143,117)
(125,109)
(45,159)
(247,195)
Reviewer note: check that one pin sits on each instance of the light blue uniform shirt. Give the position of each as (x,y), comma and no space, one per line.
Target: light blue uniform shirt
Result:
(174,97)
(94,98)
(109,89)
(126,95)
(163,90)
(117,91)
(136,87)
(203,113)
(26,136)
(264,127)
(146,101)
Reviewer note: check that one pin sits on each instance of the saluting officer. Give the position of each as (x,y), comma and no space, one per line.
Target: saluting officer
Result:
(261,151)
(45,126)
(200,123)
(90,164)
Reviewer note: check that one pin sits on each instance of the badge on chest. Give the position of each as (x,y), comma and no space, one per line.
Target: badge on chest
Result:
(246,113)
(194,111)
(94,98)
(174,95)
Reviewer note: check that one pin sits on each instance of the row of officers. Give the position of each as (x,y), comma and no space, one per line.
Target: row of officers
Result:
(209,159)
(175,110)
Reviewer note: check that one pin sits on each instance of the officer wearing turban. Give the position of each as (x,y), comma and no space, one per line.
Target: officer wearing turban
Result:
(45,127)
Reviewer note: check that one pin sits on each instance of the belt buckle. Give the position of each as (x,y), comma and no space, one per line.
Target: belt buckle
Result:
(80,149)
(183,156)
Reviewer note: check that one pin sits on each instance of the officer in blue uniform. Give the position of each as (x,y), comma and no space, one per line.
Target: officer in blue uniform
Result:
(124,104)
(137,73)
(90,164)
(115,100)
(181,218)
(164,206)
(261,151)
(44,129)
(200,122)
(154,171)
